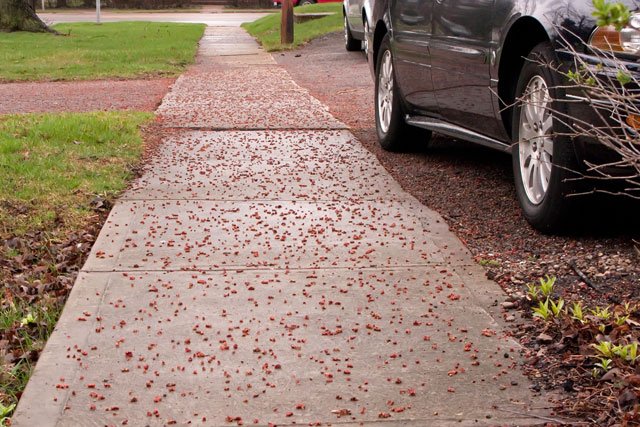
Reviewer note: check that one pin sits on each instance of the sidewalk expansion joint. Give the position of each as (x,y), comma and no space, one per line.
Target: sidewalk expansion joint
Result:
(235,54)
(203,199)
(256,129)
(239,269)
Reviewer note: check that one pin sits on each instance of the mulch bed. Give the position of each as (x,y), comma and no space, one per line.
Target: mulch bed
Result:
(596,261)
(83,96)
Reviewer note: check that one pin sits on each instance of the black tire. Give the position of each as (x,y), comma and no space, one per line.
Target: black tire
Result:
(350,43)
(397,135)
(305,2)
(547,210)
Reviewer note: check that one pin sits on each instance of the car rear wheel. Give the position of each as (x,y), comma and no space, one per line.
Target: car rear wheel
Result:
(394,134)
(350,43)
(305,2)
(543,159)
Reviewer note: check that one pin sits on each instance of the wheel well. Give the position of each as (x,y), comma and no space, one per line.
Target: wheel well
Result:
(378,35)
(523,36)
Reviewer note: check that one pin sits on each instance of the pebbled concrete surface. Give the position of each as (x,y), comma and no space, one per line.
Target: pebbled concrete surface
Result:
(274,277)
(261,165)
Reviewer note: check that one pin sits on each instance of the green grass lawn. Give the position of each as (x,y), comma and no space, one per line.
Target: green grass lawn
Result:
(267,29)
(90,51)
(53,165)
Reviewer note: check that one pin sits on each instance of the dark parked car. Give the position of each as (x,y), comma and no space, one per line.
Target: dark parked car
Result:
(457,67)
(355,23)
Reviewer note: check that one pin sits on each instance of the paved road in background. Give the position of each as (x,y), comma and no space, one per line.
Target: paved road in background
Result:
(209,18)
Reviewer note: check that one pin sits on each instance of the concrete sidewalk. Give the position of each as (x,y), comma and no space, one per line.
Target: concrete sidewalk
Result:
(266,269)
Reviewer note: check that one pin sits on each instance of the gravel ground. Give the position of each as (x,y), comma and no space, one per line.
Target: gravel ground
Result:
(97,95)
(472,187)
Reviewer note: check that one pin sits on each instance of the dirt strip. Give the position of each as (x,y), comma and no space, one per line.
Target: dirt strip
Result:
(82,96)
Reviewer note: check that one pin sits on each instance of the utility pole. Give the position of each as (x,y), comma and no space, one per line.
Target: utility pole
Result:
(286,25)
(98,12)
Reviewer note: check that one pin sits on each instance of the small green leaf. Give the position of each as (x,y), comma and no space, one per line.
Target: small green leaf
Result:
(28,320)
(623,78)
(6,410)
(543,310)
(604,347)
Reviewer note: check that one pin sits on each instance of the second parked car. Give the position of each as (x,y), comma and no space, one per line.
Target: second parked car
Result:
(278,3)
(355,14)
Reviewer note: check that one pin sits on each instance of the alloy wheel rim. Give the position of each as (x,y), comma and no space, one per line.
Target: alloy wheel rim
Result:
(346,32)
(536,140)
(385,91)
(366,39)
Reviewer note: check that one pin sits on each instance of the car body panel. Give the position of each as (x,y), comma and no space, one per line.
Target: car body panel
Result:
(357,11)
(353,12)
(463,58)
(412,60)
(461,49)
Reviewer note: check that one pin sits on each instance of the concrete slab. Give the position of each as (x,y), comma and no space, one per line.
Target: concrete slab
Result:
(227,33)
(203,234)
(249,80)
(236,42)
(281,165)
(231,47)
(245,110)
(235,61)
(330,346)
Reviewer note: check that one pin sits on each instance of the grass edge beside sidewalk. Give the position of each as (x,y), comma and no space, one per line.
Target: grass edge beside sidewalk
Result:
(61,173)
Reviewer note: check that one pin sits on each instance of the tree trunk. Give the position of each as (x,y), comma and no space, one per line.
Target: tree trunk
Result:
(18,15)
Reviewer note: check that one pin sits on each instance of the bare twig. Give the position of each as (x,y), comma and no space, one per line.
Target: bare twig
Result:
(583,276)
(541,417)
